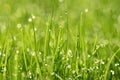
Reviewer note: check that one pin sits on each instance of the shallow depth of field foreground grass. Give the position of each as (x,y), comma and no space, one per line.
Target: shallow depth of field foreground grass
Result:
(59,40)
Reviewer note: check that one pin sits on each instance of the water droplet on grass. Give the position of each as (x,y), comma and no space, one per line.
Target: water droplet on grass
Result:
(20,68)
(68,66)
(39,53)
(4,55)
(35,29)
(28,50)
(33,53)
(14,38)
(33,17)
(73,71)
(86,10)
(46,65)
(97,67)
(70,53)
(63,58)
(49,30)
(116,64)
(67,59)
(69,79)
(30,75)
(88,56)
(0,53)
(52,73)
(23,74)
(19,26)
(17,51)
(30,20)
(112,72)
(60,1)
(4,69)
(102,62)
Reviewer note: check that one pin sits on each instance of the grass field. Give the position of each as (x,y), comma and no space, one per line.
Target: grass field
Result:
(59,40)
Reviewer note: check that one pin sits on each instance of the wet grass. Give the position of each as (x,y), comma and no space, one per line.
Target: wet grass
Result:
(59,40)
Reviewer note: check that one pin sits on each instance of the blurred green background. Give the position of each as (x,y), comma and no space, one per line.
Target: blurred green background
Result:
(104,14)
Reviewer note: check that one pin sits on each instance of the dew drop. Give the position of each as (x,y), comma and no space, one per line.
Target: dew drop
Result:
(14,38)
(4,55)
(0,53)
(52,73)
(68,66)
(70,53)
(102,62)
(46,65)
(39,53)
(30,20)
(28,50)
(112,72)
(88,56)
(19,26)
(60,1)
(116,64)
(33,53)
(33,17)
(23,74)
(35,29)
(4,69)
(86,10)
(17,51)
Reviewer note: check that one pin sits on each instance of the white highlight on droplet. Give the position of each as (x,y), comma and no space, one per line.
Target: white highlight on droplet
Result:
(112,72)
(60,1)
(70,53)
(19,26)
(35,29)
(4,69)
(33,17)
(86,10)
(69,66)
(30,20)
(17,51)
(14,38)
(28,50)
(4,55)
(0,53)
(33,53)
(102,62)
(116,64)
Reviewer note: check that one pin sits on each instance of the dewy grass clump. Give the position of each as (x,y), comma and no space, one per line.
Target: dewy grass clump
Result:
(59,40)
